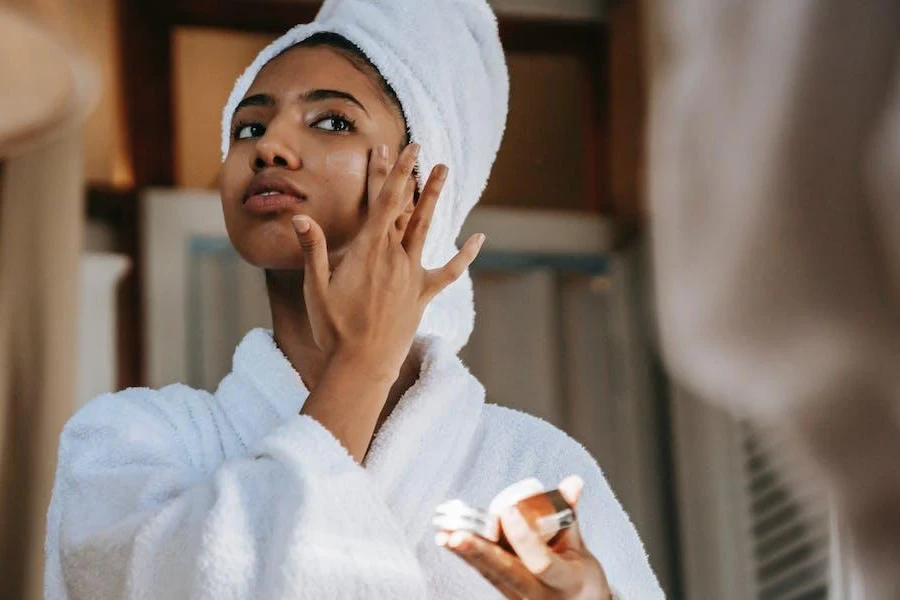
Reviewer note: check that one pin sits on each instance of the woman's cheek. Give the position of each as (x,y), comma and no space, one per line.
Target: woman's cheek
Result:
(346,175)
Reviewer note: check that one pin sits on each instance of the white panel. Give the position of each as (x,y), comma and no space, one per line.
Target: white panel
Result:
(170,219)
(216,339)
(101,274)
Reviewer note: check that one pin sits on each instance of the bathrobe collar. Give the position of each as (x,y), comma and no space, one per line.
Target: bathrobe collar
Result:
(422,446)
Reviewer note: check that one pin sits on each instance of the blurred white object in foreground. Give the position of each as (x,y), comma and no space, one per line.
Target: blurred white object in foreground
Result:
(774,178)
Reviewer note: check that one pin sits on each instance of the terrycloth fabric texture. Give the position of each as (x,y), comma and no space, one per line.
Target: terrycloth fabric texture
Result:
(445,62)
(179,493)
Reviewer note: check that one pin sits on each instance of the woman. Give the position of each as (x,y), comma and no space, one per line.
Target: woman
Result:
(315,468)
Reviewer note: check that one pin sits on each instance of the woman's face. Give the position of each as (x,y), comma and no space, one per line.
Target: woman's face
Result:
(301,141)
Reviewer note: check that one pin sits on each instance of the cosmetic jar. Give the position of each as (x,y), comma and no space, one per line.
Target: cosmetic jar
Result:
(546,511)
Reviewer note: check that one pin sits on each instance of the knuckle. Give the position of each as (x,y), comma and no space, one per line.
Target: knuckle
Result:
(309,244)
(389,195)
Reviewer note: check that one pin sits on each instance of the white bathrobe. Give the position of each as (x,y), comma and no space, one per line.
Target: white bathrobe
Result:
(178,493)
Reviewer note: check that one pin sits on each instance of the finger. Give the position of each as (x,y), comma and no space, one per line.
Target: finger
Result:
(402,221)
(417,231)
(537,557)
(379,167)
(461,547)
(315,254)
(437,279)
(391,200)
(502,569)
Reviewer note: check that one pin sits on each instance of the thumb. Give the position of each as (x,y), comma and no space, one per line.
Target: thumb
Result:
(570,487)
(315,253)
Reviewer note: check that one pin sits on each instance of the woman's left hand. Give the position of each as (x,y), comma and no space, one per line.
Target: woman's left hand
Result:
(569,571)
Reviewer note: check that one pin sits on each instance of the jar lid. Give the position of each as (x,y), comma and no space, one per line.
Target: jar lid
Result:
(514,493)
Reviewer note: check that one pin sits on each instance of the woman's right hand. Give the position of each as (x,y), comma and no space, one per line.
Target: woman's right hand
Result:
(369,308)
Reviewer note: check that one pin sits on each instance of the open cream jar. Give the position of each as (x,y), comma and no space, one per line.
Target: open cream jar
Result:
(546,511)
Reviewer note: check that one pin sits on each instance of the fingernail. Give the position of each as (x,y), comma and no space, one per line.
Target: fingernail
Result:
(479,241)
(579,483)
(415,149)
(301,223)
(458,540)
(441,538)
(443,170)
(382,150)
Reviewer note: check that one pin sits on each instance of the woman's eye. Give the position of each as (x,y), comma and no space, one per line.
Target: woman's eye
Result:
(249,131)
(333,124)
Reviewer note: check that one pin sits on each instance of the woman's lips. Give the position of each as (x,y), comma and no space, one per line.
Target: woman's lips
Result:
(263,204)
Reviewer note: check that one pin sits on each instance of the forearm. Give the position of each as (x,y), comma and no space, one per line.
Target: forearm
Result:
(348,401)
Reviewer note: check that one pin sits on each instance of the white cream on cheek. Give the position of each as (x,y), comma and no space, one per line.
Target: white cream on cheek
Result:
(344,163)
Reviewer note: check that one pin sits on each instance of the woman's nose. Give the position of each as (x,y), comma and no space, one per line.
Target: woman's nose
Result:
(274,151)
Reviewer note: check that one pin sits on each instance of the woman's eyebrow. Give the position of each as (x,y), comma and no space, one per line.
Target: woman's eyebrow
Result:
(256,100)
(318,95)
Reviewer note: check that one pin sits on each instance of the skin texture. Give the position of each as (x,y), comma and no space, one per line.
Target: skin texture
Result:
(343,258)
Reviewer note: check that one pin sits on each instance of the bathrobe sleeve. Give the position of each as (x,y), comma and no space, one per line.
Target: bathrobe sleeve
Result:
(142,509)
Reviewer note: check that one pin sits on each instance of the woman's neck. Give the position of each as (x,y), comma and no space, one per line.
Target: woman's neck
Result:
(293,336)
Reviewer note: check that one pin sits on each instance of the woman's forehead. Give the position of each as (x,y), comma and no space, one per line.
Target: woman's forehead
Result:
(300,69)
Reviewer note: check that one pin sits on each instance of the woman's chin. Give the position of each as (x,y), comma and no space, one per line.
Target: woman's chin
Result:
(266,257)
(277,249)
(268,246)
